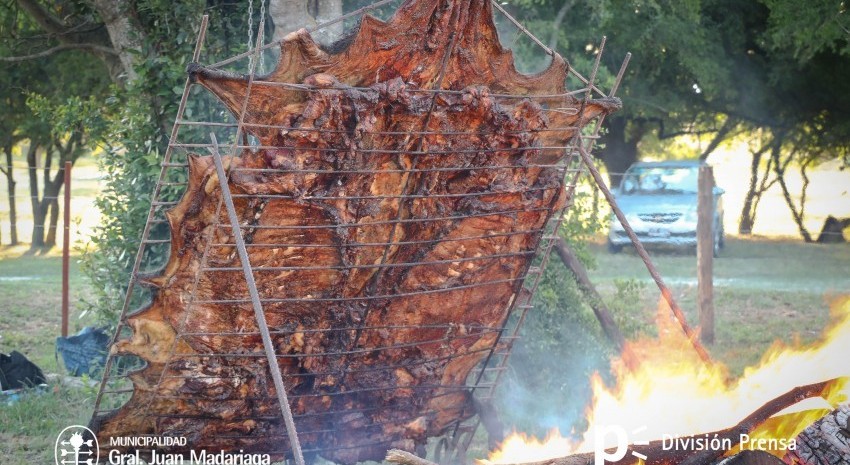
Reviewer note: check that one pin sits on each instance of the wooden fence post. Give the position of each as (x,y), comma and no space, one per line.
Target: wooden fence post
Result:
(705,253)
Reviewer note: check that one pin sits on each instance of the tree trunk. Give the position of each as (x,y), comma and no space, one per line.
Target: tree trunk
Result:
(52,201)
(780,177)
(620,147)
(10,184)
(721,135)
(804,189)
(68,152)
(125,32)
(324,11)
(46,205)
(51,192)
(748,212)
(38,214)
(75,35)
(288,16)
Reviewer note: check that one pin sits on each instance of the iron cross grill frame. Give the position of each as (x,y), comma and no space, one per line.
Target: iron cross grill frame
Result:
(484,380)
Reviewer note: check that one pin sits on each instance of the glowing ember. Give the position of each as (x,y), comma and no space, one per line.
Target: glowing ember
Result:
(672,392)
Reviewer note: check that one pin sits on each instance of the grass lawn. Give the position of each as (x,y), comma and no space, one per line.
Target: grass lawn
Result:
(30,320)
(765,290)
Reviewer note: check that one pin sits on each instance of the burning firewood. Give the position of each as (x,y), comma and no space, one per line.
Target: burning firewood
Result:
(825,442)
(752,457)
(389,227)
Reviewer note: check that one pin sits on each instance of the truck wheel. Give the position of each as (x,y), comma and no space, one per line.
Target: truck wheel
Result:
(614,248)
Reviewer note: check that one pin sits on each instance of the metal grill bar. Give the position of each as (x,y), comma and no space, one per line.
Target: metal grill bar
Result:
(400,295)
(399,196)
(378,266)
(379,244)
(384,151)
(384,222)
(418,170)
(323,373)
(377,133)
(274,368)
(308,88)
(368,350)
(391,367)
(450,326)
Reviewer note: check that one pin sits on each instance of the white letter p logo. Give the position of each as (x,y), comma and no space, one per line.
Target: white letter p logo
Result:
(600,456)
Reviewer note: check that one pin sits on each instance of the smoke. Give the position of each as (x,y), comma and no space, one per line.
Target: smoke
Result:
(547,384)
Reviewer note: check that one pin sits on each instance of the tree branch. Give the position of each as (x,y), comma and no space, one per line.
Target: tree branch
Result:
(780,177)
(59,48)
(42,17)
(556,25)
(724,130)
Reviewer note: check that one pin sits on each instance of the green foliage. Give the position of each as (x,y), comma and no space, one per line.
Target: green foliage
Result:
(63,83)
(75,114)
(808,28)
(623,305)
(140,122)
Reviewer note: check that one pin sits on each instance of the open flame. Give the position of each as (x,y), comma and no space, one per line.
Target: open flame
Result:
(672,392)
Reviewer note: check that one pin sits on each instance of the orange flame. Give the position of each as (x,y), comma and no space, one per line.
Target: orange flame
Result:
(520,448)
(672,392)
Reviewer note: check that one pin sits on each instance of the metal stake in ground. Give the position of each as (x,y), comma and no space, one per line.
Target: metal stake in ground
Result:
(665,291)
(274,368)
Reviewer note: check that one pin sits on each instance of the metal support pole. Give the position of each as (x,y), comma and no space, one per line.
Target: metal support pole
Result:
(641,251)
(66,249)
(274,368)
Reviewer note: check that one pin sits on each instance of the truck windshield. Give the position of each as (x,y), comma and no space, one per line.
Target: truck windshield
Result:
(659,180)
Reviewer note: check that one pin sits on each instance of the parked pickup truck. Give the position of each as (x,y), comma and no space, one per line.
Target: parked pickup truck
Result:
(659,200)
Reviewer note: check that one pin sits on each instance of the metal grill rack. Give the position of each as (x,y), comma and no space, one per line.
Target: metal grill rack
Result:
(193,135)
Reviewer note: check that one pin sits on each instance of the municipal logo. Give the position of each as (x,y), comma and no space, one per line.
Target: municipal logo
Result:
(601,455)
(76,445)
